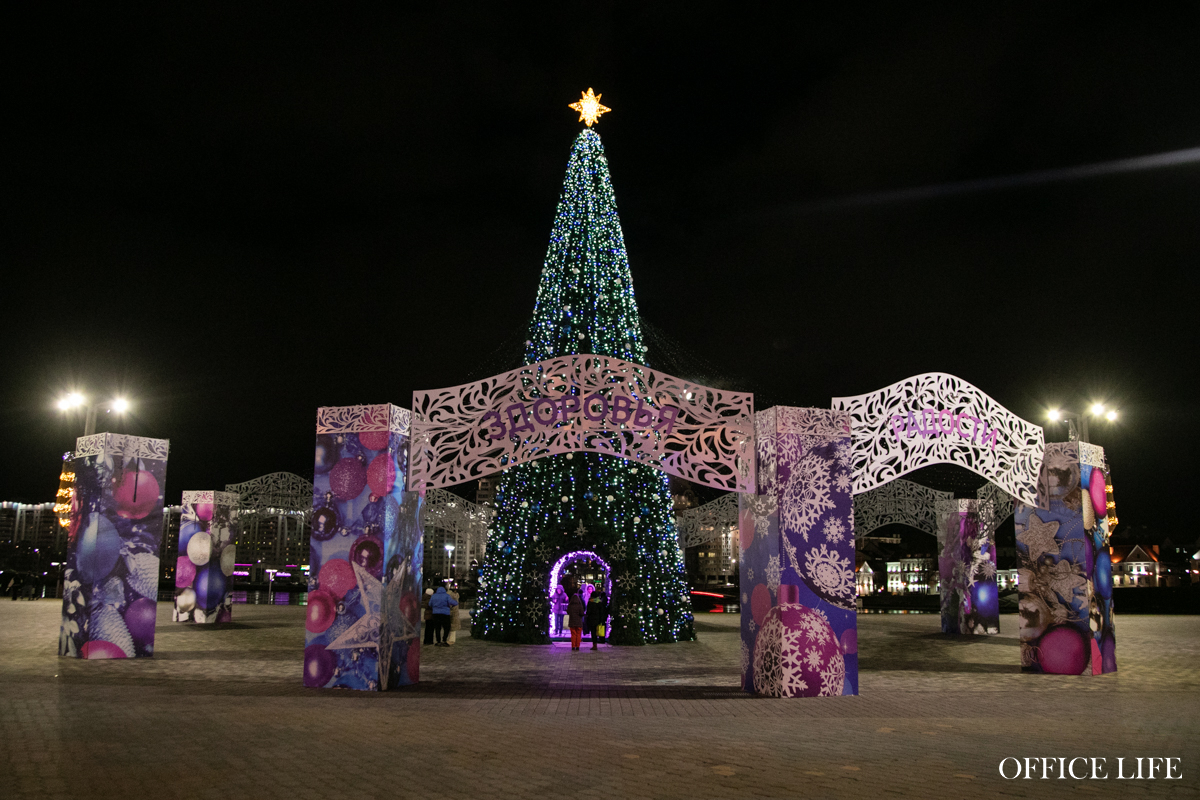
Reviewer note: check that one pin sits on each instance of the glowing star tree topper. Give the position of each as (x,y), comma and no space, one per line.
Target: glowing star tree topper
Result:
(589,107)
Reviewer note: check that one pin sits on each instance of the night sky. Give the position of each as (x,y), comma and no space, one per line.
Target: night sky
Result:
(236,215)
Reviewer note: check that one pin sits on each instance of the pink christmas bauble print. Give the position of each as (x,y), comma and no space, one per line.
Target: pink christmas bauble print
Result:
(185,572)
(760,603)
(98,648)
(322,611)
(850,641)
(797,654)
(373,440)
(381,475)
(745,528)
(337,576)
(414,660)
(1099,493)
(1063,651)
(347,478)
(204,511)
(136,494)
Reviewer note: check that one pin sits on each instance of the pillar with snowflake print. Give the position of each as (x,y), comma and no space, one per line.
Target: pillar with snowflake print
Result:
(967,569)
(799,626)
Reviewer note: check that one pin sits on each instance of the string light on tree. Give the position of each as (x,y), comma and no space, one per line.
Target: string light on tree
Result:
(585,501)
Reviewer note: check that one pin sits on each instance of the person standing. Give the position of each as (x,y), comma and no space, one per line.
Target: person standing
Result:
(452,629)
(575,619)
(427,616)
(441,604)
(558,606)
(597,615)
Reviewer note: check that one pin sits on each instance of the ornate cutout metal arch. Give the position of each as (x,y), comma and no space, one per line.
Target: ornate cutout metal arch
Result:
(937,418)
(692,431)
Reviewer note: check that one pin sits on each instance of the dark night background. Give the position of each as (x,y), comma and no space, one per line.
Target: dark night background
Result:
(236,215)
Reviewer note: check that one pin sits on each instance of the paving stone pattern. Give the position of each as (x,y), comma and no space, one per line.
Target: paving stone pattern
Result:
(220,713)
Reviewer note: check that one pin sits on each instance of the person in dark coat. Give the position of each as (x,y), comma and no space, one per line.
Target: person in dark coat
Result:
(575,619)
(441,604)
(597,614)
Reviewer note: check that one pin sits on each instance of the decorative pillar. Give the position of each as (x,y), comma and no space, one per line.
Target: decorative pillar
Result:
(364,586)
(967,569)
(799,625)
(110,584)
(208,532)
(1066,619)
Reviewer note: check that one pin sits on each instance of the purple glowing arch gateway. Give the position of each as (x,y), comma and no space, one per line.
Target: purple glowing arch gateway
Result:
(571,558)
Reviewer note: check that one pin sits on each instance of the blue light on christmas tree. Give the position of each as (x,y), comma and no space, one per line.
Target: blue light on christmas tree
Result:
(615,508)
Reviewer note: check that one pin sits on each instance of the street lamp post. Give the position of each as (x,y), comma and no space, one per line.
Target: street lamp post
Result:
(1080,433)
(450,559)
(75,400)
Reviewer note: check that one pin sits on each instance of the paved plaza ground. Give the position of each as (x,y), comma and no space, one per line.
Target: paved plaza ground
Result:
(220,713)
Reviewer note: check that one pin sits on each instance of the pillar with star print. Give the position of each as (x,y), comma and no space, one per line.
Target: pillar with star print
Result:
(364,596)
(967,569)
(1065,568)
(799,618)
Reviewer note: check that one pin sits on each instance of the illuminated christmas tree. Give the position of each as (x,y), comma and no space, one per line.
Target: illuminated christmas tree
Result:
(585,502)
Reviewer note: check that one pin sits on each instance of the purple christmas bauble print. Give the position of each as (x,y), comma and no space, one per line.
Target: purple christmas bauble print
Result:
(1108,653)
(986,598)
(319,665)
(797,654)
(324,524)
(326,454)
(98,548)
(367,552)
(1063,651)
(140,618)
(210,587)
(347,478)
(1102,576)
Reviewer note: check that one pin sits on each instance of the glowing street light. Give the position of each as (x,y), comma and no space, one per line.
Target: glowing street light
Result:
(1081,433)
(75,400)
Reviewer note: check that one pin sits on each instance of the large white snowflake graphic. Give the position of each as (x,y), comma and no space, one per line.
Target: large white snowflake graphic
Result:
(835,530)
(830,572)
(807,494)
(768,666)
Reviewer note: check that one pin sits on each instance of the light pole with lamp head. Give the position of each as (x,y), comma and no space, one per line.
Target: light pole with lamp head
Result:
(450,559)
(76,400)
(1080,433)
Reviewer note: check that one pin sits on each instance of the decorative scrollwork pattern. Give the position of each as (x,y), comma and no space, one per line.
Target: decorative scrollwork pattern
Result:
(129,447)
(1092,455)
(916,422)
(704,524)
(357,419)
(272,494)
(898,502)
(701,434)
